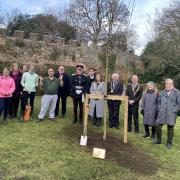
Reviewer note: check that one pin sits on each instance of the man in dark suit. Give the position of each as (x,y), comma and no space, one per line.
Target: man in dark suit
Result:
(91,78)
(134,91)
(63,91)
(115,87)
(79,84)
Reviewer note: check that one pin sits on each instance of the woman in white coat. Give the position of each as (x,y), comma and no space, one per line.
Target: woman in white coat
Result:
(97,106)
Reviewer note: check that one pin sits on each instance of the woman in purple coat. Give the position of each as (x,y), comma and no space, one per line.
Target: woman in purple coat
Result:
(16,75)
(149,109)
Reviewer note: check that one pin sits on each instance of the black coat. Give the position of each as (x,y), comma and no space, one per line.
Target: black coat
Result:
(90,82)
(79,80)
(17,81)
(117,91)
(136,96)
(65,90)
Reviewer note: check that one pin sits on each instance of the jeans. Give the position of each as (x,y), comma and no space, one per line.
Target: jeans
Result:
(4,106)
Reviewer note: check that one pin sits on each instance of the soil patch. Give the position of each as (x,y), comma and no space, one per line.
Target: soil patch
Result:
(125,155)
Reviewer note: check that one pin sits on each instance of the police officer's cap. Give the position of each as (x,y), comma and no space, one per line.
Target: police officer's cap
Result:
(79,65)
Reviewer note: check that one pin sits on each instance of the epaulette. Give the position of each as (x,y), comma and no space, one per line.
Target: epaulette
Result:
(73,74)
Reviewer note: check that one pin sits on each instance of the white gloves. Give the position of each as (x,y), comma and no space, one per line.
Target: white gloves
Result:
(78,91)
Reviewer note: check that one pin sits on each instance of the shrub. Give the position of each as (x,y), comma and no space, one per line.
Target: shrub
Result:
(8,43)
(54,55)
(73,57)
(19,42)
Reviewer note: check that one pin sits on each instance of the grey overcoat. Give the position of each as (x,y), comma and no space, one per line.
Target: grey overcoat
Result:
(99,104)
(149,106)
(168,106)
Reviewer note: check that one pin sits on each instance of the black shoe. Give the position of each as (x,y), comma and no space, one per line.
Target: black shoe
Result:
(169,146)
(52,119)
(111,126)
(74,122)
(156,141)
(116,125)
(63,115)
(146,136)
(40,120)
(129,129)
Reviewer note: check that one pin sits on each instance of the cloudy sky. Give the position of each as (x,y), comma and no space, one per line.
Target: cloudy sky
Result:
(142,10)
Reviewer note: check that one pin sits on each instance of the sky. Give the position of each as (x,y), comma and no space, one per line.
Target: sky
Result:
(143,9)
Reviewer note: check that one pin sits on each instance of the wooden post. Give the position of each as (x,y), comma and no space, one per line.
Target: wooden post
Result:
(85,115)
(86,120)
(105,106)
(125,99)
(126,119)
(108,97)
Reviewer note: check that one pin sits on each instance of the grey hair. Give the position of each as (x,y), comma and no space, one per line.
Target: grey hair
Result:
(115,74)
(153,83)
(167,80)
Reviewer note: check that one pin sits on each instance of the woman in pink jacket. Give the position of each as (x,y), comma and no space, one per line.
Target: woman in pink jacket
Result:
(7,87)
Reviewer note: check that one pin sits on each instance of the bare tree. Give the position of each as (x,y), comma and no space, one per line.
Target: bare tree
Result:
(97,20)
(1,17)
(167,23)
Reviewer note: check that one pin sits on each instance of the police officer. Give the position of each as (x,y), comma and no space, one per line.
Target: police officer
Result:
(79,84)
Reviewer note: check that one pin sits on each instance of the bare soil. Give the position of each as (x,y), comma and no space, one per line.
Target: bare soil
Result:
(125,155)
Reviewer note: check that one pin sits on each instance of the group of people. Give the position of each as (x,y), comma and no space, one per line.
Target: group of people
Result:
(19,85)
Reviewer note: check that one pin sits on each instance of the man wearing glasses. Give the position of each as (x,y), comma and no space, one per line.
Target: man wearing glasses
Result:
(79,85)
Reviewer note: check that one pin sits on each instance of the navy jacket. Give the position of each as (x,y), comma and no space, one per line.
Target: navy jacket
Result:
(65,90)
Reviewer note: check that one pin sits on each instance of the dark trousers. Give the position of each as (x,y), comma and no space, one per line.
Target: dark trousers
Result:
(133,113)
(14,104)
(78,102)
(4,106)
(113,114)
(153,130)
(63,103)
(170,133)
(25,97)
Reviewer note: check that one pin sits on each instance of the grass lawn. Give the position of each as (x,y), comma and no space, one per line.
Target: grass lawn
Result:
(51,150)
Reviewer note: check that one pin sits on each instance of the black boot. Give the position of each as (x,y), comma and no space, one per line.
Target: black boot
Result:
(170,135)
(153,134)
(146,131)
(159,134)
